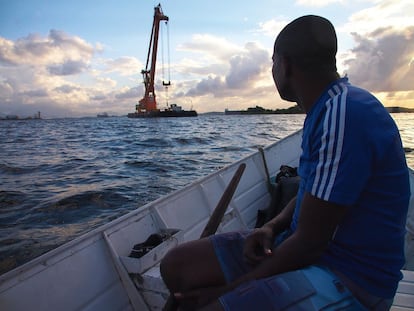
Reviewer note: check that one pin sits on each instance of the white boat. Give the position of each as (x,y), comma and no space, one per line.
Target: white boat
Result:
(94,272)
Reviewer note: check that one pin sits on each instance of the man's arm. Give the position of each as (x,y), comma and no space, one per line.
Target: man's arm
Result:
(317,223)
(259,243)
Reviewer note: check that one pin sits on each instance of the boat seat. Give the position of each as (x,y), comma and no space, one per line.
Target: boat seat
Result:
(404,298)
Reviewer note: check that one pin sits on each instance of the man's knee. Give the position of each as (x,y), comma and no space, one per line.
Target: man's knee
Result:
(169,264)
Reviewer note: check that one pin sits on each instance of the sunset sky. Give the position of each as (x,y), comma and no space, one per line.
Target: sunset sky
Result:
(79,58)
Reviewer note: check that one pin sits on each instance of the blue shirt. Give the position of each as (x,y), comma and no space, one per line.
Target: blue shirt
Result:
(352,155)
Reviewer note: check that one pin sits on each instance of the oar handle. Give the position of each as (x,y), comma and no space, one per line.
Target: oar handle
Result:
(222,205)
(269,182)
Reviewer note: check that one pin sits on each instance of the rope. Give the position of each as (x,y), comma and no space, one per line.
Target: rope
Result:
(166,84)
(168,51)
(162,54)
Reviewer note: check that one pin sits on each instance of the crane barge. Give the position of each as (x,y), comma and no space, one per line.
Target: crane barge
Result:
(147,106)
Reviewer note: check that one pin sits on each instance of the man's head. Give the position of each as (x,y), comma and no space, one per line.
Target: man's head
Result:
(309,42)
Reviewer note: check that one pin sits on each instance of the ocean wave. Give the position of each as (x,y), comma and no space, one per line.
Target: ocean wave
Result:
(11,169)
(70,209)
(192,141)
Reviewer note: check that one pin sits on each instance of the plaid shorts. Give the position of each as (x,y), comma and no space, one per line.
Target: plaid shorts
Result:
(311,288)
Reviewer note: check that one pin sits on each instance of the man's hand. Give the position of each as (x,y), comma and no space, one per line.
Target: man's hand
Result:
(258,245)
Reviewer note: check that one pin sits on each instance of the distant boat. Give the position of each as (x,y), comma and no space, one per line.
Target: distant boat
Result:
(36,116)
(260,110)
(172,111)
(147,106)
(102,115)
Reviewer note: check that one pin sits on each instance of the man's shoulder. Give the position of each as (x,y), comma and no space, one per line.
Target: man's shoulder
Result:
(359,103)
(356,93)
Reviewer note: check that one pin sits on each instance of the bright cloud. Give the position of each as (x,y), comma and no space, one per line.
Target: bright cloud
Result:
(397,14)
(58,71)
(245,67)
(274,26)
(212,47)
(125,66)
(57,47)
(383,60)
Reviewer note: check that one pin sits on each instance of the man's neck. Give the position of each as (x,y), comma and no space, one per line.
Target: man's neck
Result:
(313,87)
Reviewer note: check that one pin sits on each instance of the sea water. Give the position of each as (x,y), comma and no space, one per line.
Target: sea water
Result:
(60,178)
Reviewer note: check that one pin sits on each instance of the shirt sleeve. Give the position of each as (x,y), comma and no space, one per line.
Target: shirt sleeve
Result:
(340,154)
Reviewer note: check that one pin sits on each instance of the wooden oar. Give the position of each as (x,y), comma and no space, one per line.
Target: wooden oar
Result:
(214,221)
(222,205)
(269,182)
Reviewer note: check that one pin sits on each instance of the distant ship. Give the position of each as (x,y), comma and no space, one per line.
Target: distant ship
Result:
(102,115)
(260,110)
(36,116)
(172,111)
(147,106)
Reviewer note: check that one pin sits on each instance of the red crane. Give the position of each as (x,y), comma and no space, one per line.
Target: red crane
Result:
(147,106)
(148,102)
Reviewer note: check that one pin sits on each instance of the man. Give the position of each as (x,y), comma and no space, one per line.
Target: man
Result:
(337,245)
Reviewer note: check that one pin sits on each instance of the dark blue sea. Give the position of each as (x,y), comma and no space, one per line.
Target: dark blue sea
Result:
(60,178)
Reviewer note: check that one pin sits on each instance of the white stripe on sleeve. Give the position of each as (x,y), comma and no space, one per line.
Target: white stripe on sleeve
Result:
(331,147)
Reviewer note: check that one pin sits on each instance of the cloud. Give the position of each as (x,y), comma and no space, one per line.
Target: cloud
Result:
(35,93)
(57,48)
(245,67)
(209,85)
(67,89)
(6,89)
(129,93)
(383,60)
(397,14)
(211,47)
(106,82)
(190,67)
(125,66)
(99,97)
(6,52)
(39,73)
(272,27)
(68,68)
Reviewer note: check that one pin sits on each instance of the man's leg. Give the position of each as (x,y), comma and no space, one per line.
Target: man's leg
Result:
(191,265)
(205,265)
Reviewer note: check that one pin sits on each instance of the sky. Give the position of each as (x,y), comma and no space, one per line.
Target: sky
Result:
(80,58)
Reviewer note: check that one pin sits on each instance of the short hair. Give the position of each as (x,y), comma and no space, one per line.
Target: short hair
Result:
(310,42)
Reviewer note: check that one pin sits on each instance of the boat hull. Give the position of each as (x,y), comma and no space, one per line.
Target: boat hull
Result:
(164,114)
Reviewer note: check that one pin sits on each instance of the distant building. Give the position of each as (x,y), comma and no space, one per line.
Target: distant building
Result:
(399,109)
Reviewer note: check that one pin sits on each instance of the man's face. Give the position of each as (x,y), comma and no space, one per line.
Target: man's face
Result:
(280,78)
(276,71)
